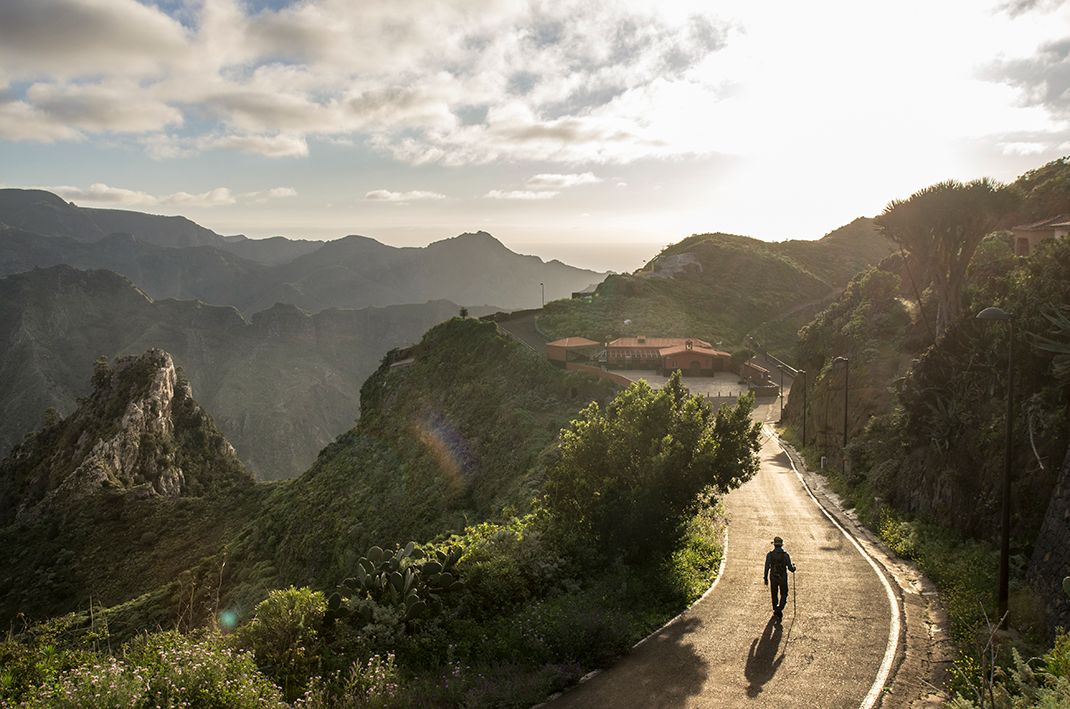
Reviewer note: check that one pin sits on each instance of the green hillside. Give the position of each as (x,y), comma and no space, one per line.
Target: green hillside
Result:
(522,586)
(720,287)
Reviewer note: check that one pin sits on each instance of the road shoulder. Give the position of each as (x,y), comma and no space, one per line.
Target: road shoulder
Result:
(926,651)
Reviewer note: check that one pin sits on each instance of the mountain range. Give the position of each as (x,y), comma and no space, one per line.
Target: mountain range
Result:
(172,257)
(281,384)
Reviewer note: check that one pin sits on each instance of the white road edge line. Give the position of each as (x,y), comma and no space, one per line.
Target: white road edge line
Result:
(720,572)
(894,627)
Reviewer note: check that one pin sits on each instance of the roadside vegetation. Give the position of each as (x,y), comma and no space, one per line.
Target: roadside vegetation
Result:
(553,582)
(927,412)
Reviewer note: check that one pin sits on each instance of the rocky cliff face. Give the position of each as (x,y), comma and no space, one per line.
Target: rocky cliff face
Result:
(1051,553)
(140,432)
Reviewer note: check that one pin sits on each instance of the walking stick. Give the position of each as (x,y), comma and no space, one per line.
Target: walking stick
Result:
(795,594)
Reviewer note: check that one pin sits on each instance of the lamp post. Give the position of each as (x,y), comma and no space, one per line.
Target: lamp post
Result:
(543,287)
(1005,495)
(781,368)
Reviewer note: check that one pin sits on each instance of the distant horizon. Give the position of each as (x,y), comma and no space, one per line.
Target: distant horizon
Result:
(605,256)
(561,123)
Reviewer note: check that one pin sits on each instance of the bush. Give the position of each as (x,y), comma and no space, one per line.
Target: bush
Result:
(629,476)
(285,637)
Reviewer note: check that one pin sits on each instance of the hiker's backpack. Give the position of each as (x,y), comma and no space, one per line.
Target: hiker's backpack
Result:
(778,564)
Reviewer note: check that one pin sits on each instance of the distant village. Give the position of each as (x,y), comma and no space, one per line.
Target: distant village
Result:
(691,356)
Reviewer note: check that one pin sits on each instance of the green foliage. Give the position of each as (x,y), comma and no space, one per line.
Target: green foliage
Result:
(285,636)
(940,228)
(1039,683)
(159,669)
(964,571)
(402,578)
(628,476)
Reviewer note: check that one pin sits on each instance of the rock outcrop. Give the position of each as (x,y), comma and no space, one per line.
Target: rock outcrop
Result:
(1051,553)
(140,432)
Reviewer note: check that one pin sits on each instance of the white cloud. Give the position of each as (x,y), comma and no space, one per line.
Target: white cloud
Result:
(519,194)
(561,181)
(411,196)
(100,193)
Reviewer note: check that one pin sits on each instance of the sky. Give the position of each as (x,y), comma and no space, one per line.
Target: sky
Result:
(595,132)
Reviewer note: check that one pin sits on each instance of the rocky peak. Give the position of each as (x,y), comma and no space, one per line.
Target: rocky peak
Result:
(139,432)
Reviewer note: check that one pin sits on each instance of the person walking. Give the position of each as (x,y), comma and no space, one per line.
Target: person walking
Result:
(777,565)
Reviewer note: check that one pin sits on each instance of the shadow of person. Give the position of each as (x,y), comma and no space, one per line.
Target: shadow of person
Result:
(762,661)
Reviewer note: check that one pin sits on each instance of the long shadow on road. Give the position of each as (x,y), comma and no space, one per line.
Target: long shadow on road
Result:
(762,660)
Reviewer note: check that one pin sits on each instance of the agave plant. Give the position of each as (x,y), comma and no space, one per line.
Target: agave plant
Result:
(1058,341)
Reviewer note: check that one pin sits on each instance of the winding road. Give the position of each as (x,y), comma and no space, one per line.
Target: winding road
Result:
(725,651)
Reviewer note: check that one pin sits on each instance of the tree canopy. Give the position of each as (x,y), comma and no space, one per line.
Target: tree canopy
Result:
(940,227)
(628,475)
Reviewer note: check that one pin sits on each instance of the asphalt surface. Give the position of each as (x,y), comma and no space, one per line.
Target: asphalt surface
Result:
(725,651)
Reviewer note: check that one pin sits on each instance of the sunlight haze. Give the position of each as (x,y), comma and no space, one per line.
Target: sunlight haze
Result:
(546,125)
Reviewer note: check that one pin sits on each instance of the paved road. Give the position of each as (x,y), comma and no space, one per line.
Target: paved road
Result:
(725,651)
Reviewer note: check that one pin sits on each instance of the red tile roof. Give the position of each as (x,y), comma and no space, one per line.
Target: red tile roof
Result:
(658,342)
(573,342)
(682,349)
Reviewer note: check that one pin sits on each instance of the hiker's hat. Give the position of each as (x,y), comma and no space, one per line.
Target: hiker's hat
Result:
(778,542)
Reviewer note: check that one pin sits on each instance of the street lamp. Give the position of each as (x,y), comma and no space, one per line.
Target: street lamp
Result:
(1005,503)
(543,287)
(781,368)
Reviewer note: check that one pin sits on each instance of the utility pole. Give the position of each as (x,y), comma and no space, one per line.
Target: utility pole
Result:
(803,373)
(543,287)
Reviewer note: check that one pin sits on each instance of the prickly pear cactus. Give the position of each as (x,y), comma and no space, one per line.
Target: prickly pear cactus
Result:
(403,578)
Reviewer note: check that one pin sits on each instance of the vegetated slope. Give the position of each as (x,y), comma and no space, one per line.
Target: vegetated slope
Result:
(115,499)
(718,286)
(449,437)
(280,386)
(448,440)
(172,257)
(926,418)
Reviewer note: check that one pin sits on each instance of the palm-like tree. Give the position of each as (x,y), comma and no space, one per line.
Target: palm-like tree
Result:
(940,228)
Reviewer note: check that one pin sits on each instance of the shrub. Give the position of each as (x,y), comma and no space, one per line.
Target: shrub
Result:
(627,477)
(284,635)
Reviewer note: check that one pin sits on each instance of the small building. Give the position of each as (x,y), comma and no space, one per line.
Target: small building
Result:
(754,373)
(572,349)
(694,360)
(665,354)
(1026,237)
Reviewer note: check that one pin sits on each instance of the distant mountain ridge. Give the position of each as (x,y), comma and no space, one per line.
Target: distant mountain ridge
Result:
(280,384)
(172,257)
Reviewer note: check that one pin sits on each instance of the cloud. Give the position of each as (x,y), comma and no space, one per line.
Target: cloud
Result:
(65,38)
(1043,79)
(412,196)
(559,181)
(518,80)
(102,194)
(519,194)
